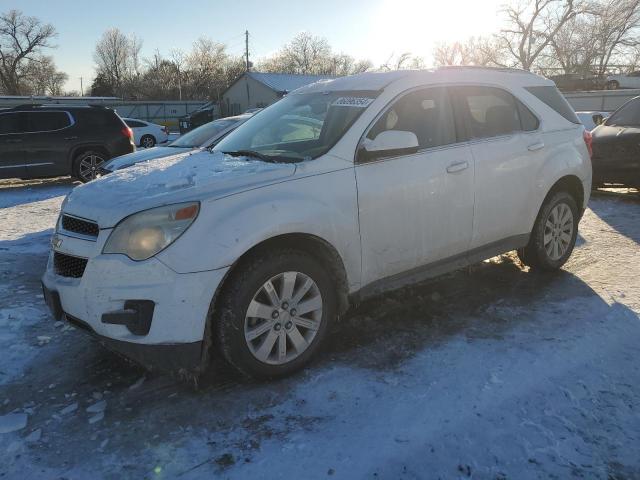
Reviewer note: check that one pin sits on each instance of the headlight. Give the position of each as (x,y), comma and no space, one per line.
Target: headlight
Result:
(142,235)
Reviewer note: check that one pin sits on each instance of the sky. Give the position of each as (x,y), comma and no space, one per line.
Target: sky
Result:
(368,29)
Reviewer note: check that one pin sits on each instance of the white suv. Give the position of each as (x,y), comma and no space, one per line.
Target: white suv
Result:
(342,189)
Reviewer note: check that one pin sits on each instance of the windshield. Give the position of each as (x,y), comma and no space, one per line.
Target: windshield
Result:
(201,135)
(298,127)
(628,114)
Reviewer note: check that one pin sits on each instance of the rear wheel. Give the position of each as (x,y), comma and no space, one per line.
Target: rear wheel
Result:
(87,165)
(147,141)
(554,233)
(274,313)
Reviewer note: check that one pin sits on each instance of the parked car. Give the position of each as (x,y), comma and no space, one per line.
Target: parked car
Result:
(616,146)
(571,82)
(587,118)
(631,80)
(147,134)
(256,247)
(205,114)
(39,141)
(205,136)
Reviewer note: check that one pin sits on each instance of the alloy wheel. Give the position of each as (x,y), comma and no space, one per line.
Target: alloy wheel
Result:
(90,167)
(558,231)
(283,318)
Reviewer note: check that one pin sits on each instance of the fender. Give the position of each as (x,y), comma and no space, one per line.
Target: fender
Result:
(233,225)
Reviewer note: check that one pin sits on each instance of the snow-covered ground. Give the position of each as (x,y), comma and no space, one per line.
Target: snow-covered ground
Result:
(489,373)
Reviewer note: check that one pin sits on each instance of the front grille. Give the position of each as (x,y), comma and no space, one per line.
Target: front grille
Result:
(68,265)
(77,225)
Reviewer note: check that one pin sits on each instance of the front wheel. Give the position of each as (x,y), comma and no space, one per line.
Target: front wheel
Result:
(274,313)
(554,234)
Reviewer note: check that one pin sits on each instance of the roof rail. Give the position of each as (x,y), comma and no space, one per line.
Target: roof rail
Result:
(25,106)
(481,67)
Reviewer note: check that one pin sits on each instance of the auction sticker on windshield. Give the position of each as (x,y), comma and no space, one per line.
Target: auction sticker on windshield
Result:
(360,102)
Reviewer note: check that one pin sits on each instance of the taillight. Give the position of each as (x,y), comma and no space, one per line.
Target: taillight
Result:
(127,132)
(588,141)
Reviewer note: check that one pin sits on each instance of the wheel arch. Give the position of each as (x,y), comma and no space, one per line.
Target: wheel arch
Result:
(310,244)
(80,149)
(568,183)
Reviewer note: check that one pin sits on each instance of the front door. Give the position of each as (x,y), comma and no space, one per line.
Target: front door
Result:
(415,209)
(12,155)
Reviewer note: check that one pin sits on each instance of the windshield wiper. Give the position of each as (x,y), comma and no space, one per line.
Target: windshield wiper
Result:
(252,153)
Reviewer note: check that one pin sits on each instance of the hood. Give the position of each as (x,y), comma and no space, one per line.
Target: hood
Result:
(604,134)
(129,159)
(201,175)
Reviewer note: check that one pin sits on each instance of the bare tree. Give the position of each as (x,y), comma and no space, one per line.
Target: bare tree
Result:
(312,55)
(22,38)
(43,78)
(532,26)
(113,56)
(617,30)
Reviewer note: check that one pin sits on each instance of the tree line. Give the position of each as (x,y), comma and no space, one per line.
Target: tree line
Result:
(546,36)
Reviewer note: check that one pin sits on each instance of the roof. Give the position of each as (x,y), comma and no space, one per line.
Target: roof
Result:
(375,81)
(286,82)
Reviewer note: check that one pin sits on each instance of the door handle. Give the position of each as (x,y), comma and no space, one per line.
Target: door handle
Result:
(535,146)
(457,167)
(70,138)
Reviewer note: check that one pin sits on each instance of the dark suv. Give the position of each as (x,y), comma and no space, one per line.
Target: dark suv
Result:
(51,140)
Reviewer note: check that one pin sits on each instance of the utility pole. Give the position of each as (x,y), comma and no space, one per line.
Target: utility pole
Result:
(81,88)
(246,48)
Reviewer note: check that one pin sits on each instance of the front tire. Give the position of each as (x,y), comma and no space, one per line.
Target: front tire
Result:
(554,234)
(274,313)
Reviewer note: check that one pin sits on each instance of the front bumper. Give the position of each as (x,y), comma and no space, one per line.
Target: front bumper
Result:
(180,302)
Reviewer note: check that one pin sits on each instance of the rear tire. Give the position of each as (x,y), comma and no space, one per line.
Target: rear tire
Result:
(554,233)
(86,166)
(148,141)
(274,312)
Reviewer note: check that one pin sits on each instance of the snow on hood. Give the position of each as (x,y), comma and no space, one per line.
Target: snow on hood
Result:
(183,177)
(145,155)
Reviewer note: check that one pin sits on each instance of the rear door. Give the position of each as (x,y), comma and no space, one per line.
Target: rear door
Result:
(415,209)
(508,151)
(12,145)
(50,136)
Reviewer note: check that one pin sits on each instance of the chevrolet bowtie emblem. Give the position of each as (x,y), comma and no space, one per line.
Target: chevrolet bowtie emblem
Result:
(56,241)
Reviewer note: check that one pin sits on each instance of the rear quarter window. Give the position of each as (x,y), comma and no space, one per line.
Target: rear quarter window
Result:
(95,118)
(552,97)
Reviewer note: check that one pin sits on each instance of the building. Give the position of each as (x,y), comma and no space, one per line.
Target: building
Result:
(258,90)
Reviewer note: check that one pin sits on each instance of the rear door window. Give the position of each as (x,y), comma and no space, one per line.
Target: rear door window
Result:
(11,123)
(552,97)
(488,111)
(47,121)
(135,124)
(427,113)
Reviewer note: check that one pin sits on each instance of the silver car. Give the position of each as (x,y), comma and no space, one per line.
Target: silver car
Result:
(205,136)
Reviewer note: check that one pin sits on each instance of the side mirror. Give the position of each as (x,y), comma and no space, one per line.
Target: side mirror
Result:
(387,144)
(598,119)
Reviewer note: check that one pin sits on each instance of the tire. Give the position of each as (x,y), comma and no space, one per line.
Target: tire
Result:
(252,344)
(551,242)
(86,166)
(612,85)
(148,141)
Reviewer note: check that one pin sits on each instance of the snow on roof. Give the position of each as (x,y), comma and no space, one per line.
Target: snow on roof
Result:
(287,82)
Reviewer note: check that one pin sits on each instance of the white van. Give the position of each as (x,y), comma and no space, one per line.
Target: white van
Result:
(342,189)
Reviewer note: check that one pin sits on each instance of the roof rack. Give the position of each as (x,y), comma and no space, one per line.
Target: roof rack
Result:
(480,67)
(25,106)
